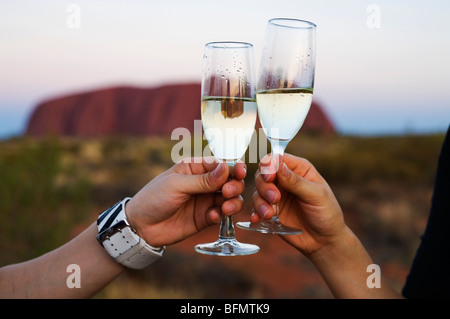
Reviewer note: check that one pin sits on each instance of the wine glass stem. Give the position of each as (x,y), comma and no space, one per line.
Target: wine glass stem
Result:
(226,227)
(278,148)
(226,230)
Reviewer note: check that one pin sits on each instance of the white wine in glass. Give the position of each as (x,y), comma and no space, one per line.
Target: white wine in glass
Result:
(228,118)
(284,94)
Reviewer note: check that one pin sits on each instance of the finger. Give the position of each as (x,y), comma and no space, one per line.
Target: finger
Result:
(269,166)
(233,206)
(294,183)
(213,216)
(267,190)
(254,217)
(302,167)
(233,188)
(197,165)
(204,183)
(268,172)
(239,171)
(261,206)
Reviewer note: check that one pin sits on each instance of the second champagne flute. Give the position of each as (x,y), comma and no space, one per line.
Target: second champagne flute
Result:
(284,94)
(228,118)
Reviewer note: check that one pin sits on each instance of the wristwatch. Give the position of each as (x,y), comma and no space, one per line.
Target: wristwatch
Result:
(122,242)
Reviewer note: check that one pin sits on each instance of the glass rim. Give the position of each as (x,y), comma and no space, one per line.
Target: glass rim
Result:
(301,24)
(229,44)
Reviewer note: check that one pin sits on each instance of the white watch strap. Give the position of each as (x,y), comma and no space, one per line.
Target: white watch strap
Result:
(121,241)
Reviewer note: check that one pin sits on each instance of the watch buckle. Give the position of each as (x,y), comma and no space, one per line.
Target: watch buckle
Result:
(114,229)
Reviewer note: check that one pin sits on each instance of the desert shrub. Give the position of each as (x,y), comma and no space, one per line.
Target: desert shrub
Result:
(39,203)
(347,159)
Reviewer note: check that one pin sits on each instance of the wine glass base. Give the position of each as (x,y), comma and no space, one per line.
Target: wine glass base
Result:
(271,226)
(226,247)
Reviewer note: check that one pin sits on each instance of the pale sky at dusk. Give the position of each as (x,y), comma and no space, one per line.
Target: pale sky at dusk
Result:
(382,66)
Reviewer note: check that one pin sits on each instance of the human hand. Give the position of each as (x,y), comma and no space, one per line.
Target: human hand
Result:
(305,201)
(185,199)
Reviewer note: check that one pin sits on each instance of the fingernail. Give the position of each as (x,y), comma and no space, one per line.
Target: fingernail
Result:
(231,207)
(231,190)
(215,217)
(219,170)
(271,196)
(285,171)
(263,210)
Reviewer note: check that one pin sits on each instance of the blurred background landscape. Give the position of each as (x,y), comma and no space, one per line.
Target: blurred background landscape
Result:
(91,91)
(52,188)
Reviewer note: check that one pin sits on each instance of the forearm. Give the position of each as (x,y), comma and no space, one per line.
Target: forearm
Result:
(47,276)
(343,266)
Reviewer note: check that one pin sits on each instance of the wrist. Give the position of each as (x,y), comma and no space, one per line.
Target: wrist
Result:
(131,212)
(340,249)
(121,240)
(343,265)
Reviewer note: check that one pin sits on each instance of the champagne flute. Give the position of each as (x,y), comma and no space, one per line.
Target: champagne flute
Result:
(228,118)
(284,95)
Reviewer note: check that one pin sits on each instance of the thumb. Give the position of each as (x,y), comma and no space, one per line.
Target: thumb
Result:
(207,182)
(294,183)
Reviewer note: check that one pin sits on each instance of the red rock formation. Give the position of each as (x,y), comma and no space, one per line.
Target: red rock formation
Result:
(134,111)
